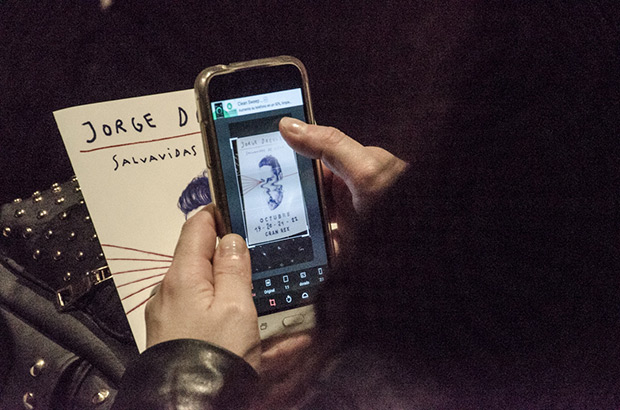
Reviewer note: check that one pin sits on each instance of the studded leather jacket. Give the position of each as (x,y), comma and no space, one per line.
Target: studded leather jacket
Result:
(64,338)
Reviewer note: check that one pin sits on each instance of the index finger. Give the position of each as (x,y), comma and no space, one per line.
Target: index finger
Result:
(341,153)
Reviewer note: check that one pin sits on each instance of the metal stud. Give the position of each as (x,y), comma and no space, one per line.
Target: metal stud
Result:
(17,200)
(101,396)
(77,189)
(57,255)
(56,189)
(81,202)
(55,185)
(41,214)
(37,368)
(62,216)
(94,237)
(72,236)
(80,256)
(29,401)
(87,218)
(74,180)
(60,200)
(49,234)
(36,194)
(67,277)
(27,233)
(6,232)
(19,213)
(36,255)
(100,256)
(37,198)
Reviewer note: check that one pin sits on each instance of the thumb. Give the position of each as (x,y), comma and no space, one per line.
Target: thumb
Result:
(340,153)
(367,171)
(232,272)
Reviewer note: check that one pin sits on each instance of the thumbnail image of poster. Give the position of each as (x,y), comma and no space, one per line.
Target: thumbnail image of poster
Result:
(271,194)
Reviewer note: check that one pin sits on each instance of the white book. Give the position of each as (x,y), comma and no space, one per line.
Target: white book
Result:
(133,159)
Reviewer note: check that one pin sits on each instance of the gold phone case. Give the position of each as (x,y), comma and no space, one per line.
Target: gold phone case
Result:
(270,324)
(207,128)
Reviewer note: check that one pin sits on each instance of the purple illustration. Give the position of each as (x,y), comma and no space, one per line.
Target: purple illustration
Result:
(195,195)
(269,182)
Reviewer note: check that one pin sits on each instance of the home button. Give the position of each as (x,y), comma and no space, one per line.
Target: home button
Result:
(293,320)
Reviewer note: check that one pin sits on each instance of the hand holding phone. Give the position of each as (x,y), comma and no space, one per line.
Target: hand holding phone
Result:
(262,189)
(271,195)
(355,175)
(205,293)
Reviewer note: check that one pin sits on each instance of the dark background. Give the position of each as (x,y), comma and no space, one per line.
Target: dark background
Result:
(55,55)
(479,91)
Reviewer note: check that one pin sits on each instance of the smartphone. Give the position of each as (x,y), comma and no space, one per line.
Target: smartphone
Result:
(262,189)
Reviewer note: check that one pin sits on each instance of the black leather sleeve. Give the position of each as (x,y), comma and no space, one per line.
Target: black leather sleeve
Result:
(188,374)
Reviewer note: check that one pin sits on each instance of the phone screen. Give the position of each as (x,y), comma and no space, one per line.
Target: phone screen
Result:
(272,194)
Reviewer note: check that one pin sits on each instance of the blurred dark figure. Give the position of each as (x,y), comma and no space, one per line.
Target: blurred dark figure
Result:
(490,274)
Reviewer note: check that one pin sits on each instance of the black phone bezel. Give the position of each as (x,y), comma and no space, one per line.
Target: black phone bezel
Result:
(254,81)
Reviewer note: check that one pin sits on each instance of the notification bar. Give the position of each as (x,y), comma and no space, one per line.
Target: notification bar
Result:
(256,103)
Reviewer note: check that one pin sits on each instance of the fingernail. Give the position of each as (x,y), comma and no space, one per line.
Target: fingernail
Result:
(232,245)
(292,126)
(194,212)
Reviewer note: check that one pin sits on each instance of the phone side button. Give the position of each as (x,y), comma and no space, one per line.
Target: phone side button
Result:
(293,320)
(207,150)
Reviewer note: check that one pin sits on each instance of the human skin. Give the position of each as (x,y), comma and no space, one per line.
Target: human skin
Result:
(366,172)
(206,293)
(355,176)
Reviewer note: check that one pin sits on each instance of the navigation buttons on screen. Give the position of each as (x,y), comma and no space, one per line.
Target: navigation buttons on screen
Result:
(302,275)
(293,320)
(304,295)
(289,299)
